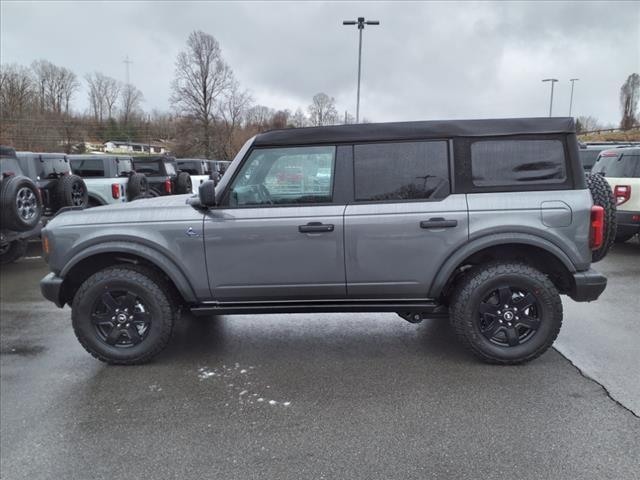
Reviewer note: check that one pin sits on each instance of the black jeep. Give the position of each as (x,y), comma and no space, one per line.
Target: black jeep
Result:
(163,175)
(20,207)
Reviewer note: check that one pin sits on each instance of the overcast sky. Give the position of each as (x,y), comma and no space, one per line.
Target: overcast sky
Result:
(426,60)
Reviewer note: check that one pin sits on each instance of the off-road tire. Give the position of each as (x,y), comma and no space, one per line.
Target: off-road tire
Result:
(137,186)
(20,204)
(602,195)
(143,282)
(13,251)
(183,183)
(482,279)
(71,191)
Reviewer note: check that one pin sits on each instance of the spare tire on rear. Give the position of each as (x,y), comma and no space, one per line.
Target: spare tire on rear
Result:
(183,183)
(71,191)
(20,204)
(602,195)
(137,186)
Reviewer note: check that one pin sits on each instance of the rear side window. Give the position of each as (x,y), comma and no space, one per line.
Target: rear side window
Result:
(624,166)
(88,168)
(498,163)
(401,171)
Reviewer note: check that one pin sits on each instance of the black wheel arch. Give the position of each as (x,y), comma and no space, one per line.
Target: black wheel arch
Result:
(525,248)
(103,255)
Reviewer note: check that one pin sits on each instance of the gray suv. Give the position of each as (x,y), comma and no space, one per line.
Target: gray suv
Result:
(484,222)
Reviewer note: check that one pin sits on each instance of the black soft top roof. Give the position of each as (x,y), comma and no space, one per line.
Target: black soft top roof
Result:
(368,132)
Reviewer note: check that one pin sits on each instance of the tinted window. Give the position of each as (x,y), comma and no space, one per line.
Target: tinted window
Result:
(624,166)
(401,171)
(148,168)
(516,162)
(88,168)
(275,176)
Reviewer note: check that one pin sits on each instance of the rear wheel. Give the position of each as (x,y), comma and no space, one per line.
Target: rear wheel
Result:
(506,313)
(123,315)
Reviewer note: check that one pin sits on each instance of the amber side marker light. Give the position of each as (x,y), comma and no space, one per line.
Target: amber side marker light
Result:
(45,245)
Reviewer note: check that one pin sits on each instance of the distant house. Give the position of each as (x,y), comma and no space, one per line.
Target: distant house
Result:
(114,146)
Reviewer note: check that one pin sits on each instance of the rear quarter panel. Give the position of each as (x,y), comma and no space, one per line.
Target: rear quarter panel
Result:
(561,217)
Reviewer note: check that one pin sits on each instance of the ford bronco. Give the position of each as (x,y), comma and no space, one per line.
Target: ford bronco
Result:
(484,222)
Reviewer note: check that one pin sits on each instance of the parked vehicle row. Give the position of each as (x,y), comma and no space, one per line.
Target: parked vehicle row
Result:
(35,186)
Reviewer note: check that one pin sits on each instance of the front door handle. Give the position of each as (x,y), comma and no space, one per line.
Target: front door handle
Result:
(438,222)
(315,227)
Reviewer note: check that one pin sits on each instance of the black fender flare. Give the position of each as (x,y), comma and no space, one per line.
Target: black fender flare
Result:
(152,255)
(449,266)
(96,199)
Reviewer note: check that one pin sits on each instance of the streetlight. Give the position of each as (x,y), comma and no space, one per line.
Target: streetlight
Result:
(361,23)
(572,80)
(552,80)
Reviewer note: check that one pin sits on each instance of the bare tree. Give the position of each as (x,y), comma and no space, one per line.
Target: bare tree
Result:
(111,95)
(55,86)
(258,117)
(587,124)
(103,95)
(629,95)
(130,103)
(299,119)
(96,89)
(16,90)
(323,110)
(232,109)
(202,77)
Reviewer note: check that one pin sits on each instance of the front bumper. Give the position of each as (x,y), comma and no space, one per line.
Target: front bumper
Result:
(587,286)
(51,288)
(628,222)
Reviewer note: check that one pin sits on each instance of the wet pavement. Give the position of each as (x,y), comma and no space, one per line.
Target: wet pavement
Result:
(319,396)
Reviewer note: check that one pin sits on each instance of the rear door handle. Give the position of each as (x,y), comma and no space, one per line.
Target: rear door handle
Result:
(315,227)
(438,223)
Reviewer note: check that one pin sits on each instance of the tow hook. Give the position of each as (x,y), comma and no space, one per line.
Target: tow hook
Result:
(412,317)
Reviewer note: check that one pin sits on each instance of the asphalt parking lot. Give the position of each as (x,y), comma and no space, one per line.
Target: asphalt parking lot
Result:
(320,396)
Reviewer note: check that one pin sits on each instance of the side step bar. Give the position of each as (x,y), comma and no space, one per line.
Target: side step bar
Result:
(429,309)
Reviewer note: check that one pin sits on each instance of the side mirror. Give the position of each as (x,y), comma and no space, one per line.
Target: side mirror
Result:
(207,193)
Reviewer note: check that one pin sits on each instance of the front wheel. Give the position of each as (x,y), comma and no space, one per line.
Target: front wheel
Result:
(506,313)
(122,315)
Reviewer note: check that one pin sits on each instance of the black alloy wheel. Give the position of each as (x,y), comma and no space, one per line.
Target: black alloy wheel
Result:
(509,316)
(120,319)
(78,194)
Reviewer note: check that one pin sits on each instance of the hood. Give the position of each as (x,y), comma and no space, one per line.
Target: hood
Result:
(158,209)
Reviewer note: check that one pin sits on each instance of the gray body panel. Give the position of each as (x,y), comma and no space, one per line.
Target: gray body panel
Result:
(259,254)
(389,255)
(561,217)
(155,228)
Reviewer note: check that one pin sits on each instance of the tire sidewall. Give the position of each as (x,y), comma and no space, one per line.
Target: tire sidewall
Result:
(11,217)
(156,303)
(550,319)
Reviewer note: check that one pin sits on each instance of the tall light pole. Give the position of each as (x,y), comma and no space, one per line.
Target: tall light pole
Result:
(552,80)
(573,81)
(361,23)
